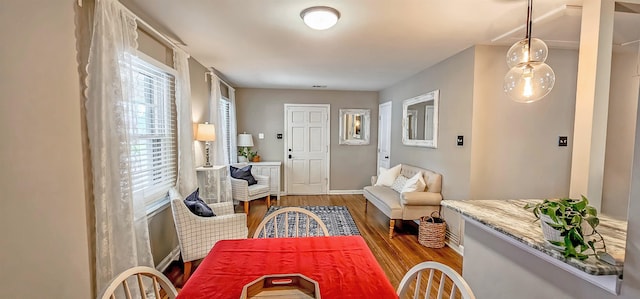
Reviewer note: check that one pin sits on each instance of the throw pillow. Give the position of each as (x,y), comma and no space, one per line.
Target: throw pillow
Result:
(415,183)
(197,205)
(388,176)
(399,183)
(243,173)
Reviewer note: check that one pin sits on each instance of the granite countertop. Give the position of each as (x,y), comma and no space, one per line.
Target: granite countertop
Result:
(510,218)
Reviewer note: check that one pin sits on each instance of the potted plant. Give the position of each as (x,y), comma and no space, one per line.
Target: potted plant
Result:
(247,154)
(570,225)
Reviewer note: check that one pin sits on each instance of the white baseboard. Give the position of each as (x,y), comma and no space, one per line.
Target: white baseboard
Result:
(173,255)
(457,248)
(335,192)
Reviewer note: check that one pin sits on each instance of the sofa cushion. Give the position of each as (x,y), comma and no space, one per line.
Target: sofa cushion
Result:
(415,183)
(388,198)
(399,183)
(388,176)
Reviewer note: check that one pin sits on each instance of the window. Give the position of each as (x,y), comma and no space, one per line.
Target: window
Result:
(151,116)
(225,112)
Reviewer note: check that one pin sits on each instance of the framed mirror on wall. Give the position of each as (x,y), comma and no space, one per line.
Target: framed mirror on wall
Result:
(420,120)
(354,126)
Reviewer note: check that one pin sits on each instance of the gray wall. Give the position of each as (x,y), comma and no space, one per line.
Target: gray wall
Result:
(623,102)
(262,111)
(454,78)
(44,245)
(515,151)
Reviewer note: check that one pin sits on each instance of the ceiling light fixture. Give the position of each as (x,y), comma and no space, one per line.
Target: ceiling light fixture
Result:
(320,17)
(530,79)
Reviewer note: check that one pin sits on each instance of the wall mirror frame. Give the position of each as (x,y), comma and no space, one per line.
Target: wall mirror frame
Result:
(355,126)
(420,120)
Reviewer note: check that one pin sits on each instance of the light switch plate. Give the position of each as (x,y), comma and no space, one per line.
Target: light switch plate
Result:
(260,136)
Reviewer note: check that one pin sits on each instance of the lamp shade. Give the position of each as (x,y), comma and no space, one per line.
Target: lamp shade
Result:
(245,140)
(206,132)
(320,17)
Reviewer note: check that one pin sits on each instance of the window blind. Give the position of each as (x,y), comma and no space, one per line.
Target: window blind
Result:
(225,111)
(151,117)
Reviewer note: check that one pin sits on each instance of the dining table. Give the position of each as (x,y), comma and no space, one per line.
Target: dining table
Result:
(343,267)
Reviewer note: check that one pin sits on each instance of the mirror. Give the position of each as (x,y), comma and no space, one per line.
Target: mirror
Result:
(420,120)
(354,126)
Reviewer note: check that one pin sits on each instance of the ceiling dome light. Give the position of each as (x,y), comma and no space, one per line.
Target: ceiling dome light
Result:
(320,17)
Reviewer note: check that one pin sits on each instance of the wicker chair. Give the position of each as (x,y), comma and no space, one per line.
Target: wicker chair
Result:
(197,235)
(241,190)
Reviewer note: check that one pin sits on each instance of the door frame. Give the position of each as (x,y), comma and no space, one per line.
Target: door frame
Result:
(327,107)
(380,129)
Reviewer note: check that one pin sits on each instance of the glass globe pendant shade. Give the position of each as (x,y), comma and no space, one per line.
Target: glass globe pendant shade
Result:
(520,52)
(529,82)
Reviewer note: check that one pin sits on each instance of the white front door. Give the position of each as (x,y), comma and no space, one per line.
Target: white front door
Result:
(384,135)
(306,149)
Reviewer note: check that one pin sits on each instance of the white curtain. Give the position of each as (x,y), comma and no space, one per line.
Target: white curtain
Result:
(233,131)
(122,237)
(187,180)
(223,143)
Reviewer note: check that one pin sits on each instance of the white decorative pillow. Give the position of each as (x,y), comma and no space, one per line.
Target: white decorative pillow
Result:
(415,183)
(388,176)
(399,183)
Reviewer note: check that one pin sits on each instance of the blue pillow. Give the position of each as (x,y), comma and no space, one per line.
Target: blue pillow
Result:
(243,174)
(197,205)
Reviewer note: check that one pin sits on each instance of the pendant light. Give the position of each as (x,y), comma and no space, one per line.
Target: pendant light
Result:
(529,79)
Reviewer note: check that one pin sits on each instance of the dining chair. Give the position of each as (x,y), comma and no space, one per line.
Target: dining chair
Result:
(282,217)
(151,284)
(458,284)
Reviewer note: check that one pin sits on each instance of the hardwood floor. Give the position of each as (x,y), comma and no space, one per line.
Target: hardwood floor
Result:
(396,256)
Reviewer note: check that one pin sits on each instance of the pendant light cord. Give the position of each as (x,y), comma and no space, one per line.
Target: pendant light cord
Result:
(529,25)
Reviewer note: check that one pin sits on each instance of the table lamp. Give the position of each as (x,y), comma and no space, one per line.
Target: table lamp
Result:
(245,141)
(206,132)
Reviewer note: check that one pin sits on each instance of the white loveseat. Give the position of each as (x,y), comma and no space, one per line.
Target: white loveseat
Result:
(408,205)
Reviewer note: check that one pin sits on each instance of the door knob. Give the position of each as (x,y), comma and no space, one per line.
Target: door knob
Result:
(386,157)
(289,156)
(289,149)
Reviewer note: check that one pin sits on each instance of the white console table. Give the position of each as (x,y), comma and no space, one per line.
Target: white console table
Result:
(271,169)
(219,174)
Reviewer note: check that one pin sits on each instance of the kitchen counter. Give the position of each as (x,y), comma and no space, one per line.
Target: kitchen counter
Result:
(508,220)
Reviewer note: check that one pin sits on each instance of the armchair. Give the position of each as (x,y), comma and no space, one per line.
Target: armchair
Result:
(197,235)
(241,190)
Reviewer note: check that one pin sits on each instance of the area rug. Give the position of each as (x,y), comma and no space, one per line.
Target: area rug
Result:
(337,219)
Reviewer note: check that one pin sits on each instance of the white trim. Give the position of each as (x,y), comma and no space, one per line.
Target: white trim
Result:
(335,192)
(457,248)
(157,206)
(173,255)
(328,143)
(157,63)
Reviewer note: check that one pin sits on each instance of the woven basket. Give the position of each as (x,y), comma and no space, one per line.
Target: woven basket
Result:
(432,231)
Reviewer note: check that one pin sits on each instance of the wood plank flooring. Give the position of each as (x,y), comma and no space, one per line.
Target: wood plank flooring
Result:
(396,256)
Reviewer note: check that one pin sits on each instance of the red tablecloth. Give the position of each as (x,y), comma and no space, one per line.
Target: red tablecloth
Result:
(344,267)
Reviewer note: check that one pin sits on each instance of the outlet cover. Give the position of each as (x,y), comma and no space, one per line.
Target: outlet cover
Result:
(562,141)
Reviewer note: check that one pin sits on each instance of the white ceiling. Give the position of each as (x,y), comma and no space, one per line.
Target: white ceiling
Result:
(376,43)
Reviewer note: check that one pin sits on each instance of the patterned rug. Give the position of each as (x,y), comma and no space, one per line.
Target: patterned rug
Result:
(337,219)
